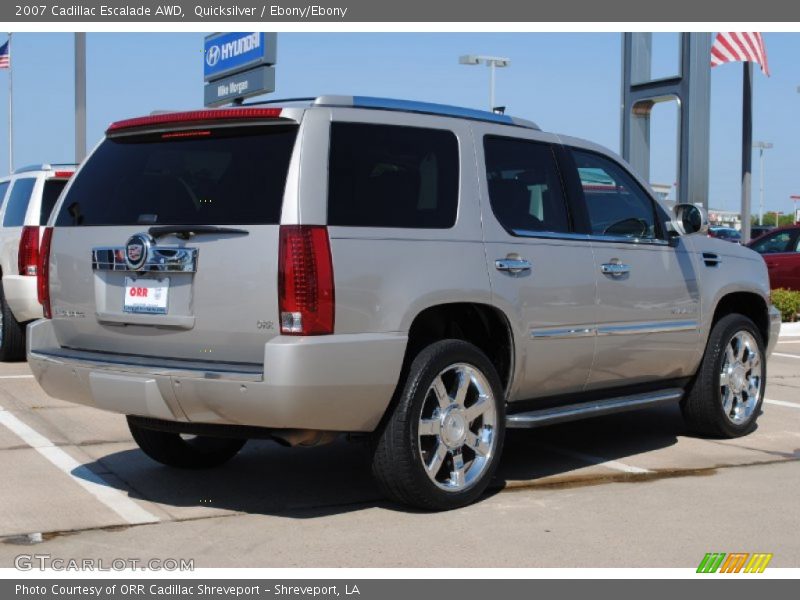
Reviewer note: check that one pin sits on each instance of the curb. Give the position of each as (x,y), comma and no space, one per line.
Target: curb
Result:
(790,330)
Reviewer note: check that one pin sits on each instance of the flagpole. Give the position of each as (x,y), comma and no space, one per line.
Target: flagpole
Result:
(747,146)
(10,112)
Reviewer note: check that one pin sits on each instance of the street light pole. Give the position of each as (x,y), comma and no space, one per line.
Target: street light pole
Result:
(492,62)
(761,147)
(80,97)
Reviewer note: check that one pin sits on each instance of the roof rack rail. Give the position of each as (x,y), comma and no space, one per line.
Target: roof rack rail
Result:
(42,167)
(429,108)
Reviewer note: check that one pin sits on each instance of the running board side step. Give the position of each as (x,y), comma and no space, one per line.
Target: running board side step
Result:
(597,408)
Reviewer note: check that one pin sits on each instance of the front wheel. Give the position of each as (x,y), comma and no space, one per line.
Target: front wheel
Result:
(440,446)
(183,451)
(725,397)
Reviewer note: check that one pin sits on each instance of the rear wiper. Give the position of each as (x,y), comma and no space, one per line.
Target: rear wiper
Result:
(188,231)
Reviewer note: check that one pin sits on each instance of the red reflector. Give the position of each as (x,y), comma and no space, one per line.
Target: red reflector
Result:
(305,280)
(185,134)
(28,257)
(43,280)
(220,114)
(64,174)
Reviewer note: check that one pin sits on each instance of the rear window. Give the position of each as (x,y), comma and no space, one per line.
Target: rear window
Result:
(52,189)
(390,176)
(18,202)
(223,176)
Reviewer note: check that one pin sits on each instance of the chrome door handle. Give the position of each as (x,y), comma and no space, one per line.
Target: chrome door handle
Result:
(614,269)
(512,265)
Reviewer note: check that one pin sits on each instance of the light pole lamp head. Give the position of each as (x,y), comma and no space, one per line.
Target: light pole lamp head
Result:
(468,59)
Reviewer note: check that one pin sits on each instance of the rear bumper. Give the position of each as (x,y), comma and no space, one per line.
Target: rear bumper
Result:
(21,297)
(774,329)
(331,383)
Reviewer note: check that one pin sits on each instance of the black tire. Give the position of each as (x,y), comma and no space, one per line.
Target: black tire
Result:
(173,450)
(398,460)
(702,406)
(12,334)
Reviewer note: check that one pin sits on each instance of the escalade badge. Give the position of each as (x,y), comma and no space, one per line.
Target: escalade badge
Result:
(137,249)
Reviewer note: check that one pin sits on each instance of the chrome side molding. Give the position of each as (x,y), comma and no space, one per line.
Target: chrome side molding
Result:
(159,259)
(584,410)
(624,329)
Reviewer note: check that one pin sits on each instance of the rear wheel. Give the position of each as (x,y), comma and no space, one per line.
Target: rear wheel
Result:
(183,451)
(441,444)
(726,396)
(12,334)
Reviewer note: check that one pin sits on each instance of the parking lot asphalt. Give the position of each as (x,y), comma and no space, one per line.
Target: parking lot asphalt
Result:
(624,490)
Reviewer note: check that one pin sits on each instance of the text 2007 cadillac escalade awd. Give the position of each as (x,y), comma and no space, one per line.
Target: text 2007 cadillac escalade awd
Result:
(424,274)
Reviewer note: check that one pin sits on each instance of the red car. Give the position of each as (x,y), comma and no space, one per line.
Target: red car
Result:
(781,251)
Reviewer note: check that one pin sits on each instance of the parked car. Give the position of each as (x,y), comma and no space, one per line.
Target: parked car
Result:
(421,275)
(729,234)
(756,231)
(781,252)
(27,197)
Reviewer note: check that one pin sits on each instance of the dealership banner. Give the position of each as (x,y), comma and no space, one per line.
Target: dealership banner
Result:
(444,11)
(735,588)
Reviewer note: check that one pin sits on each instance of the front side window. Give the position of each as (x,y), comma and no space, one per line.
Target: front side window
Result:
(524,184)
(18,202)
(617,205)
(391,176)
(775,243)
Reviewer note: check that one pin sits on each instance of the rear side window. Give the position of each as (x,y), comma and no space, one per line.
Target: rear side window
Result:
(18,202)
(52,189)
(233,176)
(3,190)
(524,186)
(389,176)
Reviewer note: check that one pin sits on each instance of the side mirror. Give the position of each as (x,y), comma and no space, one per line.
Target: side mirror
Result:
(690,219)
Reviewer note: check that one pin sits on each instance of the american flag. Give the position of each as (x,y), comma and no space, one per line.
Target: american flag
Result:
(740,47)
(5,56)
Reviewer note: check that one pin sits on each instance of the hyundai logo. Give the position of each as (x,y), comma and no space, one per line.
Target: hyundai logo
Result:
(212,55)
(137,249)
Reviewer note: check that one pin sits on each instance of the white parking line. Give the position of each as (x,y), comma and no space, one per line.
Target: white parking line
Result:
(785,355)
(782,403)
(595,460)
(16,376)
(91,482)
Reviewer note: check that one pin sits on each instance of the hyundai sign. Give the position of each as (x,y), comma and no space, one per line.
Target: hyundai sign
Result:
(228,53)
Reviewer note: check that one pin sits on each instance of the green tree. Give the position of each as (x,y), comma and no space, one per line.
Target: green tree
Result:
(769,219)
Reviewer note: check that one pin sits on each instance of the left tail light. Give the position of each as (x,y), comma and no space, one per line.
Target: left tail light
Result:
(43,280)
(28,257)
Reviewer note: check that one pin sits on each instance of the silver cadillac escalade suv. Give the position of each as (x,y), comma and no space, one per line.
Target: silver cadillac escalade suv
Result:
(425,275)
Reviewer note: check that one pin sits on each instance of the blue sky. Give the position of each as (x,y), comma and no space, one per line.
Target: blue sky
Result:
(568,83)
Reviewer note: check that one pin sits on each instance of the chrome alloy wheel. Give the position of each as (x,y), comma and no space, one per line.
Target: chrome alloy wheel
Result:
(741,378)
(457,428)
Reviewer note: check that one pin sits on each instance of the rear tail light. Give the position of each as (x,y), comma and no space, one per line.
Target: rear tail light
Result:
(305,280)
(43,281)
(28,257)
(63,174)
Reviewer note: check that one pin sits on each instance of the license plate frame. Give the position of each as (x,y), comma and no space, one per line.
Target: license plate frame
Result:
(146,295)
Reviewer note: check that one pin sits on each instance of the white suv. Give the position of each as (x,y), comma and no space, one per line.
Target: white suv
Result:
(27,197)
